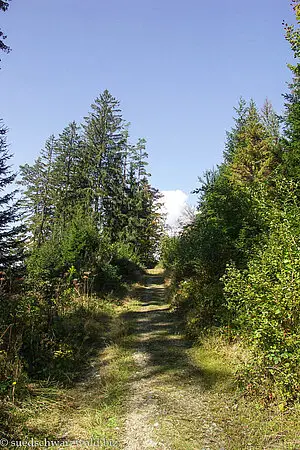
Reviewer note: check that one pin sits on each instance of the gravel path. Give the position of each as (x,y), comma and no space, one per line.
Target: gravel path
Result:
(167,407)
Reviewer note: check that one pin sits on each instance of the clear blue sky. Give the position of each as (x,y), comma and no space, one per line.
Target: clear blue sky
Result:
(177,67)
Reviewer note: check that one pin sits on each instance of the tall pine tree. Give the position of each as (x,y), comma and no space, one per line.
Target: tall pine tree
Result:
(106,150)
(69,178)
(10,250)
(9,244)
(38,194)
(291,142)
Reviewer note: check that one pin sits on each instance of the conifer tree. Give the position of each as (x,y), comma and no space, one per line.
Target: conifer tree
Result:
(94,172)
(10,250)
(151,223)
(69,178)
(106,147)
(134,192)
(291,143)
(8,211)
(38,195)
(233,136)
(254,150)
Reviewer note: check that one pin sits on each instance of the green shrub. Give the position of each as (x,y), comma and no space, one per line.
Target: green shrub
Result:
(107,279)
(264,305)
(81,244)
(127,262)
(169,250)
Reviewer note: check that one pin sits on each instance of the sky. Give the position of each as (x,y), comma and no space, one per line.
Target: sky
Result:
(178,69)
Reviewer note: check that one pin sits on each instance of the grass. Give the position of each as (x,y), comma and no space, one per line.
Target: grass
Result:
(206,411)
(91,408)
(247,422)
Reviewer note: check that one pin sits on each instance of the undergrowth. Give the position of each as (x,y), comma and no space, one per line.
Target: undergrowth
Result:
(76,373)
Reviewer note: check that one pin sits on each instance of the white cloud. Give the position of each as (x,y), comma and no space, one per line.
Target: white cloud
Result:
(175,203)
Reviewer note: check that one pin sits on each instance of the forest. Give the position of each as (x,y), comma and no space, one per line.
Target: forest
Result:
(81,227)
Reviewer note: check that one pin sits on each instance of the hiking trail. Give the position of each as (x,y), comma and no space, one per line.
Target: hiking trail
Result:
(167,407)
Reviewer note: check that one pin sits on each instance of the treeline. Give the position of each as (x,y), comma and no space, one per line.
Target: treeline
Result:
(90,224)
(235,269)
(88,188)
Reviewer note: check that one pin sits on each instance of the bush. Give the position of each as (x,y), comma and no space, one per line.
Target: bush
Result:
(81,244)
(264,304)
(107,279)
(169,250)
(61,352)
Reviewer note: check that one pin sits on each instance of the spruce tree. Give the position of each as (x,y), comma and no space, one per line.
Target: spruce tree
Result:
(291,142)
(69,178)
(10,250)
(10,245)
(106,150)
(254,150)
(94,172)
(151,225)
(38,194)
(233,136)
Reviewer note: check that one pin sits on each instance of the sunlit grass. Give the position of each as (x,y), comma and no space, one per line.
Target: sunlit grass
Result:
(246,422)
(91,410)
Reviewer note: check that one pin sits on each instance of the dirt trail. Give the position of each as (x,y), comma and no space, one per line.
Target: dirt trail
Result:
(167,408)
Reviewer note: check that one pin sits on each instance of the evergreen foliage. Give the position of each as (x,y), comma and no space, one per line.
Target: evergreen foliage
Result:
(38,194)
(291,139)
(10,248)
(90,177)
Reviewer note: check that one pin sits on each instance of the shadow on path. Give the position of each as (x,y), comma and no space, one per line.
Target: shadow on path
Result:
(157,333)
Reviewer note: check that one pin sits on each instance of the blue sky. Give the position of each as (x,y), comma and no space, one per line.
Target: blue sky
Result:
(177,67)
